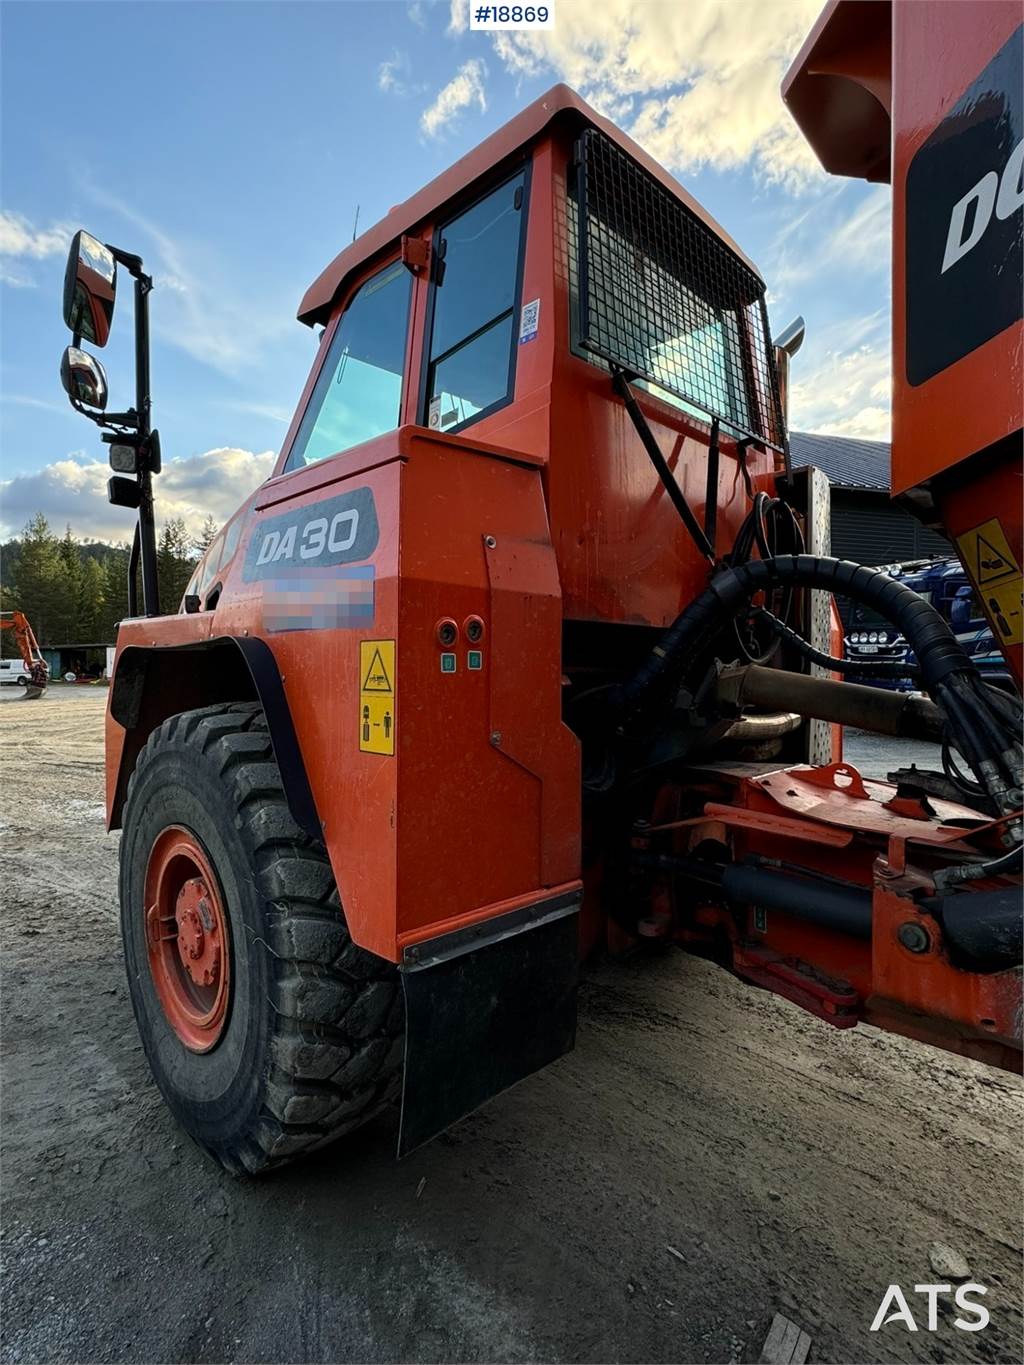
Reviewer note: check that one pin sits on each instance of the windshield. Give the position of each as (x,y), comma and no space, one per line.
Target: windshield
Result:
(359,390)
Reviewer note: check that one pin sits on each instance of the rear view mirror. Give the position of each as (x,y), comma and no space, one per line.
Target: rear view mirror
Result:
(90,283)
(84,379)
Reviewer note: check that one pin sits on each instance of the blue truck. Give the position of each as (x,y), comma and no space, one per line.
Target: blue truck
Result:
(869,638)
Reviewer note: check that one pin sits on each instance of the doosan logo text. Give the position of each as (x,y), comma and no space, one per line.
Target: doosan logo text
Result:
(994,193)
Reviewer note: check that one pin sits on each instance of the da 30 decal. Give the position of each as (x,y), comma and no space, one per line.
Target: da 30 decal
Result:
(319,535)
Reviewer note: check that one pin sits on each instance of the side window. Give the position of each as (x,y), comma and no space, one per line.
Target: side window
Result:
(358,394)
(476,291)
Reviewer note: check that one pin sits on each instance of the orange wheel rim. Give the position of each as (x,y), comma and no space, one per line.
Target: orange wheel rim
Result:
(187,939)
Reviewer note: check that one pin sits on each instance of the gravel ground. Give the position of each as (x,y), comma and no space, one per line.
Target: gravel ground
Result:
(792,1168)
(878,755)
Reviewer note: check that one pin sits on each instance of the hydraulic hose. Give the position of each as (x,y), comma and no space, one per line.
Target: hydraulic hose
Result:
(937,650)
(979,730)
(1005,864)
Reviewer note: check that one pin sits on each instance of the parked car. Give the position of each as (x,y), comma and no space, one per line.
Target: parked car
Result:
(14,671)
(944,583)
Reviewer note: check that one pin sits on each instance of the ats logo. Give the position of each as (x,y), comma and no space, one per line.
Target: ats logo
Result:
(971,1316)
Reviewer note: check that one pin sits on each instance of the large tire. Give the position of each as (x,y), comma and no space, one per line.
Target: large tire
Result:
(310,1041)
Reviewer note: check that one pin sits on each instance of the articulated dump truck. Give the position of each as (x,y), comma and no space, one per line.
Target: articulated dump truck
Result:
(526,649)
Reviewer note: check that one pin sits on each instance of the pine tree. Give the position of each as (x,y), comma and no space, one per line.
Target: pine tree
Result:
(207,535)
(115,592)
(67,627)
(38,589)
(89,604)
(174,564)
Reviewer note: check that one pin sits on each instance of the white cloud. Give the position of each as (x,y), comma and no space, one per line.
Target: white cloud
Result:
(74,491)
(19,238)
(842,386)
(393,76)
(417,13)
(697,84)
(198,312)
(465,88)
(271,411)
(828,241)
(21,241)
(388,72)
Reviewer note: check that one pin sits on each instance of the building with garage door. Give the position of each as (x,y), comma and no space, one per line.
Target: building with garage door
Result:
(867,526)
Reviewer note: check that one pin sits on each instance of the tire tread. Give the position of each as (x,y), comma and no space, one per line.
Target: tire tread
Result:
(336,1046)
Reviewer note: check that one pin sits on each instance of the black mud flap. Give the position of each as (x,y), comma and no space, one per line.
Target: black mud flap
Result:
(484,1008)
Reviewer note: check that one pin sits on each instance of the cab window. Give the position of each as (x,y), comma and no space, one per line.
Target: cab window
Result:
(358,394)
(471,369)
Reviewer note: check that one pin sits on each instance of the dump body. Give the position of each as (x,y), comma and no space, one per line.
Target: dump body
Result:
(938,81)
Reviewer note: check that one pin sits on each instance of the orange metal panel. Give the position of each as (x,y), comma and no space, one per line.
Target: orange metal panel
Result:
(939,48)
(839,88)
(477,810)
(924,995)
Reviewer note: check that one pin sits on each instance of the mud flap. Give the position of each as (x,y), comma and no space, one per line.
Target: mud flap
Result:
(486,1007)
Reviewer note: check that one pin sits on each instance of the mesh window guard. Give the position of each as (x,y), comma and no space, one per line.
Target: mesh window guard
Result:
(663,298)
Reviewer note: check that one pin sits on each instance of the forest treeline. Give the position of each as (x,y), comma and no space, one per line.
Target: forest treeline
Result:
(75,591)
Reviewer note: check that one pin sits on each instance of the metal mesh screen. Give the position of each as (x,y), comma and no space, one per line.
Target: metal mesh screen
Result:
(666,300)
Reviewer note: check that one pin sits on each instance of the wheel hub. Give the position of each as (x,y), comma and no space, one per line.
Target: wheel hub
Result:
(187,939)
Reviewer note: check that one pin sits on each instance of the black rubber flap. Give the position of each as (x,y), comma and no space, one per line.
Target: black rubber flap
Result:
(479,1020)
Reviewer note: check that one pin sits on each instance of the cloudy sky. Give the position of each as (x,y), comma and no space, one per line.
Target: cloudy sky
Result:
(231,144)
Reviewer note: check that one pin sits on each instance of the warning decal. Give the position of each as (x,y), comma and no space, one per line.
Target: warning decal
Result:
(1003,608)
(377,696)
(991,564)
(986,554)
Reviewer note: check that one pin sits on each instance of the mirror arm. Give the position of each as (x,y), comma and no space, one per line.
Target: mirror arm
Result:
(118,421)
(131,263)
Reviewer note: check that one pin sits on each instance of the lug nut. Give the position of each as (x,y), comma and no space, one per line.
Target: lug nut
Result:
(914,937)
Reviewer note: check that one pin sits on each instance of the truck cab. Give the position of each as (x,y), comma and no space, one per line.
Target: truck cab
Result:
(870,638)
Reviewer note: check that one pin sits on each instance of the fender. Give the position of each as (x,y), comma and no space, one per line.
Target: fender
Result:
(152,683)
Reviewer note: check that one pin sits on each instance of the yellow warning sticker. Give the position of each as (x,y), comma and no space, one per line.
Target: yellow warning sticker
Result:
(991,564)
(1004,610)
(377,696)
(987,555)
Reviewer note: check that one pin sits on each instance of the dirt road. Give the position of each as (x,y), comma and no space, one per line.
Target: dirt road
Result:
(793,1168)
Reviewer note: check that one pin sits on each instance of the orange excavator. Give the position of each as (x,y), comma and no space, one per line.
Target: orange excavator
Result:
(35,665)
